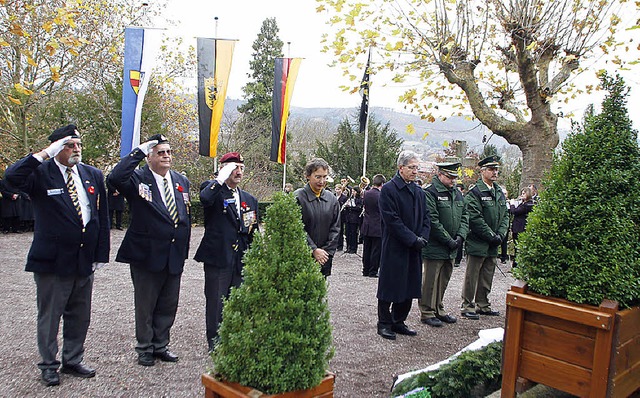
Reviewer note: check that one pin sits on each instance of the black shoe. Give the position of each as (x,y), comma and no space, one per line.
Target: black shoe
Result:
(489,313)
(386,332)
(401,328)
(146,359)
(447,318)
(50,377)
(119,228)
(79,370)
(166,356)
(470,315)
(435,322)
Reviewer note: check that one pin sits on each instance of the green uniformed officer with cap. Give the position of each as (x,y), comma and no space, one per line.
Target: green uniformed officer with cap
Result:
(488,225)
(449,227)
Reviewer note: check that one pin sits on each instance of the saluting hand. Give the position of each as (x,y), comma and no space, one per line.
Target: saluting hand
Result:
(56,146)
(145,147)
(225,172)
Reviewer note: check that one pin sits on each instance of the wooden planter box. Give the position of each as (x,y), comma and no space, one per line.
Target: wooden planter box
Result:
(579,349)
(214,388)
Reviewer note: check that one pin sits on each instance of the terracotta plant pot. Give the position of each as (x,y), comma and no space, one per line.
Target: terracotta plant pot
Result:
(214,388)
(583,350)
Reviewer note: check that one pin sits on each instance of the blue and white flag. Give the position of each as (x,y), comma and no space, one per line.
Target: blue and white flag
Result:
(141,47)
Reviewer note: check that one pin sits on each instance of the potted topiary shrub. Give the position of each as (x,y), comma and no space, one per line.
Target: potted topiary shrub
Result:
(573,323)
(275,336)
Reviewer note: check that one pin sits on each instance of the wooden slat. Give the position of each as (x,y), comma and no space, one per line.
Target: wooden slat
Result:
(602,361)
(627,355)
(554,373)
(565,310)
(561,324)
(558,344)
(624,384)
(511,351)
(235,390)
(631,320)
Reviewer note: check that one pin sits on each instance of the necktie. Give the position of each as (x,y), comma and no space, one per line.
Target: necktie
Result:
(171,204)
(71,187)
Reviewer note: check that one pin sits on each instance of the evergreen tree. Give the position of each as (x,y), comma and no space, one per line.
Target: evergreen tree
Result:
(275,335)
(582,239)
(344,152)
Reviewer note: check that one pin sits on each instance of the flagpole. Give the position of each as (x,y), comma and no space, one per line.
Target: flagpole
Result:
(367,95)
(284,165)
(215,35)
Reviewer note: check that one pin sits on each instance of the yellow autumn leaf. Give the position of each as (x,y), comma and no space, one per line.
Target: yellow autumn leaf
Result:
(532,46)
(14,100)
(74,52)
(431,119)
(445,143)
(31,61)
(425,135)
(55,73)
(47,26)
(3,43)
(468,172)
(22,89)
(411,130)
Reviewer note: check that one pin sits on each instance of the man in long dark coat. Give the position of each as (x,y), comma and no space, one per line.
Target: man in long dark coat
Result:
(405,230)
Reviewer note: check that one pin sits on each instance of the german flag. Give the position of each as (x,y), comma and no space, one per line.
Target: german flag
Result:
(214,67)
(286,71)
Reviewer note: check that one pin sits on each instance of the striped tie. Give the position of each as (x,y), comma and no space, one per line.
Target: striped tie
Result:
(71,187)
(171,204)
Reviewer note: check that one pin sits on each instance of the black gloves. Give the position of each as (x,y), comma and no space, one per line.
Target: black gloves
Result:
(452,244)
(495,240)
(419,243)
(459,240)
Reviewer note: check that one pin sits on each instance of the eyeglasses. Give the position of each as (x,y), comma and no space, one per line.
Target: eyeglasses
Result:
(164,152)
(72,145)
(411,167)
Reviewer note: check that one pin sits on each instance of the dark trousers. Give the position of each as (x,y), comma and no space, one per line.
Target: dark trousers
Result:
(514,235)
(341,237)
(118,214)
(393,313)
(504,256)
(68,298)
(352,237)
(156,297)
(371,247)
(217,285)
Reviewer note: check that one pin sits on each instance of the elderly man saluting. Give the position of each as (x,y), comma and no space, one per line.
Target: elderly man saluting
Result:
(156,243)
(70,241)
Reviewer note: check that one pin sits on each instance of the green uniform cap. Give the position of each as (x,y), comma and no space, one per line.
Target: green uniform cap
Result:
(450,169)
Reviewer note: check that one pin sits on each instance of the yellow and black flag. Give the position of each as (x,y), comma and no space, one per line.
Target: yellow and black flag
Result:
(214,66)
(286,71)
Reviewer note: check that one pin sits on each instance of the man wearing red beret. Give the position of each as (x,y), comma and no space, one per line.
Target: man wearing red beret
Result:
(231,218)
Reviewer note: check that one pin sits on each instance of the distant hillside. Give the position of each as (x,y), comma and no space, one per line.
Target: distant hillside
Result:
(439,132)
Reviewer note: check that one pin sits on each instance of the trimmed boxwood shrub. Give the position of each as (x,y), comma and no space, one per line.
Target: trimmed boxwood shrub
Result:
(582,238)
(275,335)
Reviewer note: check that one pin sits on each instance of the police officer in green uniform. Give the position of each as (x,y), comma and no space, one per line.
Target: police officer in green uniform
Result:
(449,227)
(488,225)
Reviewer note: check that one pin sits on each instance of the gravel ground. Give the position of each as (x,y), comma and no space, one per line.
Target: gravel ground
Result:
(365,364)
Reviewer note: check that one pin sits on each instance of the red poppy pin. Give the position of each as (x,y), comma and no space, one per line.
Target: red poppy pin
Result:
(243,205)
(91,190)
(179,188)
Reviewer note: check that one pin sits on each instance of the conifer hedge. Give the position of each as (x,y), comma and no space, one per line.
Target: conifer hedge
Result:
(582,238)
(275,335)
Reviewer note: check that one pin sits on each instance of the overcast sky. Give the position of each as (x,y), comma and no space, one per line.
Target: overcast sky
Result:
(318,85)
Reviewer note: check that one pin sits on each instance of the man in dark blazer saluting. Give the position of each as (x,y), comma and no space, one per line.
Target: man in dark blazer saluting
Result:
(70,241)
(156,243)
(231,218)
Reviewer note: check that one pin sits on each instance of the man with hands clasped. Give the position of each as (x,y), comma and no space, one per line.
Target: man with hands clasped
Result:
(449,227)
(156,243)
(405,231)
(488,225)
(231,219)
(70,241)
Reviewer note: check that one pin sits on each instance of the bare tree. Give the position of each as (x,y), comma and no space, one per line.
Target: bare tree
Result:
(503,59)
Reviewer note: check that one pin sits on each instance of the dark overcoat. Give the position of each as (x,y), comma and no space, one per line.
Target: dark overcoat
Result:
(153,241)
(225,232)
(61,243)
(372,223)
(404,217)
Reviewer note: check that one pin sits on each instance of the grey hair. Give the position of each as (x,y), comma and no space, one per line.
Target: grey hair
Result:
(315,164)
(405,157)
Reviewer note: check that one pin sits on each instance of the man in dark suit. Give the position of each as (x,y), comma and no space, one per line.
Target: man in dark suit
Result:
(405,230)
(371,230)
(70,241)
(116,207)
(156,243)
(231,218)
